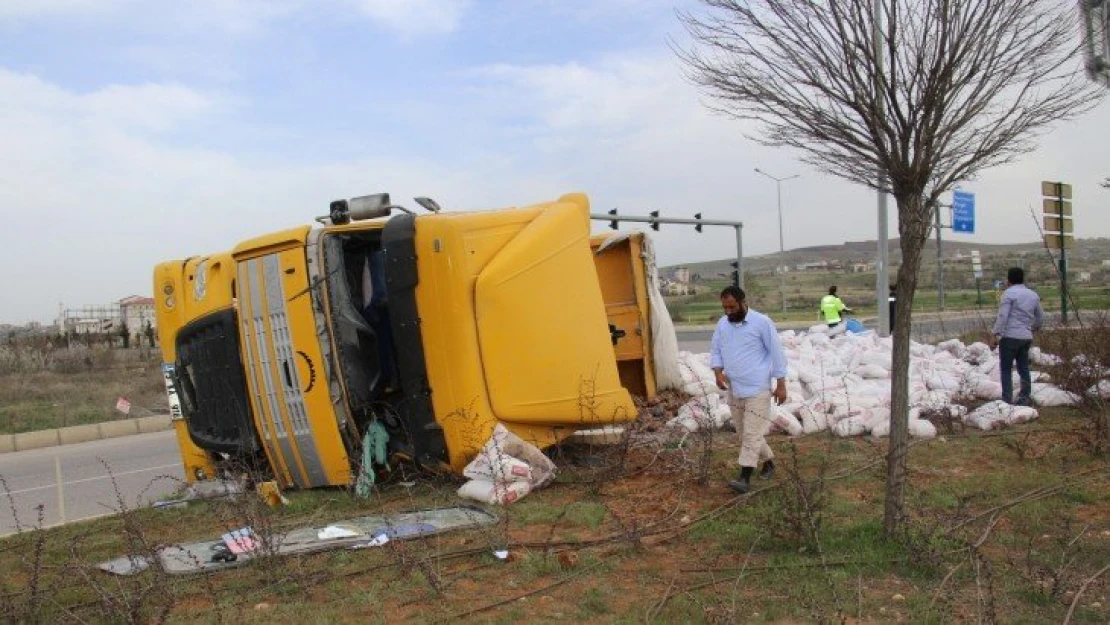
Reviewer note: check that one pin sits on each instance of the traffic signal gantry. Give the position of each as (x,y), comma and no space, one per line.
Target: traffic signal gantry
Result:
(653,220)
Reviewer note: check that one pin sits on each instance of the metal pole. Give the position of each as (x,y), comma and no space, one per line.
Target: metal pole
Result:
(782,249)
(61,491)
(739,257)
(781,269)
(940,261)
(1063,254)
(882,279)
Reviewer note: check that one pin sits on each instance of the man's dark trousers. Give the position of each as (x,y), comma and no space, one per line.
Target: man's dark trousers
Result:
(1010,350)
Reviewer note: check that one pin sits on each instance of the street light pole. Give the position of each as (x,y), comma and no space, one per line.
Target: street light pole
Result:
(782,250)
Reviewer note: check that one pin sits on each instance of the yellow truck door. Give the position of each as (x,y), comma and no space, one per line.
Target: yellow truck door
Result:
(622,274)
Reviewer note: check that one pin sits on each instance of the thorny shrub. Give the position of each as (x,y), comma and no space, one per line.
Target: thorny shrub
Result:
(1083,368)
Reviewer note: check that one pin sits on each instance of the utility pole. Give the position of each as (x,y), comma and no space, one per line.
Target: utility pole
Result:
(940,259)
(882,278)
(782,251)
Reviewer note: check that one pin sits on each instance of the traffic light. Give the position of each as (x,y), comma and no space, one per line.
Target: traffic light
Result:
(698,217)
(654,224)
(613,224)
(735,273)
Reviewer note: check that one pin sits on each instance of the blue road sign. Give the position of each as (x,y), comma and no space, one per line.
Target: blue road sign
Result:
(963,211)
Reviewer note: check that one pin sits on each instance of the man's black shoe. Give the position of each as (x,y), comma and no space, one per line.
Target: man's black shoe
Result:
(768,470)
(741,485)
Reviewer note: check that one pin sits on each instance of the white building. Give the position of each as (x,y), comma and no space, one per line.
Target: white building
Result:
(137,312)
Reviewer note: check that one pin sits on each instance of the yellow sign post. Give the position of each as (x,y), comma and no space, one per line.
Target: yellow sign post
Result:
(1058,229)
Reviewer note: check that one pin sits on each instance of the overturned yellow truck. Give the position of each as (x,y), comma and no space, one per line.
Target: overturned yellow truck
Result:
(281,352)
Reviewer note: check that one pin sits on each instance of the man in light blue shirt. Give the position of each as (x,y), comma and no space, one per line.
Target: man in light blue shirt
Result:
(1019,316)
(746,357)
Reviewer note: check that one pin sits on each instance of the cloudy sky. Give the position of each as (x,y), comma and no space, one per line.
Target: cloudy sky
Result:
(135,131)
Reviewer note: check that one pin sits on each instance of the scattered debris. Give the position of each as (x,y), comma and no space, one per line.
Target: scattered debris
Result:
(205,490)
(240,546)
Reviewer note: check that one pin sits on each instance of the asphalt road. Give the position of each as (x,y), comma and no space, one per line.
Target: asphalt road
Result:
(139,468)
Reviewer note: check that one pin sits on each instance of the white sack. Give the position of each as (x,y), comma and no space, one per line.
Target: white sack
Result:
(700,388)
(504,444)
(1038,357)
(881,429)
(491,493)
(871,372)
(921,428)
(881,359)
(493,466)
(851,426)
(786,422)
(998,413)
(1100,390)
(812,420)
(1049,395)
(877,417)
(983,387)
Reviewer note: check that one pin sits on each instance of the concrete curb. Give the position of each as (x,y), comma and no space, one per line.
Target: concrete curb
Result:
(83,433)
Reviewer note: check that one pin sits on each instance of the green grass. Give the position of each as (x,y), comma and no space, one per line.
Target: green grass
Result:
(36,397)
(574,514)
(620,581)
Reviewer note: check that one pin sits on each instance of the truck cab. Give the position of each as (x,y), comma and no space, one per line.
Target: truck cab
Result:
(282,351)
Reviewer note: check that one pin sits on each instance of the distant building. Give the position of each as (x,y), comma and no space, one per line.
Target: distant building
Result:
(671,287)
(814,266)
(87,319)
(137,312)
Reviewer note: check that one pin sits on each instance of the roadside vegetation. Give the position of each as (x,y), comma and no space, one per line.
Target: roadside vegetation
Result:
(45,384)
(805,290)
(1005,526)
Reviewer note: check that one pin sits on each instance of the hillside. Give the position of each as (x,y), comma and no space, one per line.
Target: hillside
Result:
(1088,252)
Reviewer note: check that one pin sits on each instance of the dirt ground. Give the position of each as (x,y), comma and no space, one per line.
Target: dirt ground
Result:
(1008,526)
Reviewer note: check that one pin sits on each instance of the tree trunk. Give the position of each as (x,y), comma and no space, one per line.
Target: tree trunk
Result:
(913,229)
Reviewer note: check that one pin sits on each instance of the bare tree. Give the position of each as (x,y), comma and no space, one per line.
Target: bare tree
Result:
(943,90)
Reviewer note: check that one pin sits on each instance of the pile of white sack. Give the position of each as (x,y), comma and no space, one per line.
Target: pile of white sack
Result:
(840,381)
(506,469)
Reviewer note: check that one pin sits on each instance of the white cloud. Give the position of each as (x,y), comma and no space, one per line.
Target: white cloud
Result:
(406,17)
(148,106)
(94,191)
(635,135)
(414,17)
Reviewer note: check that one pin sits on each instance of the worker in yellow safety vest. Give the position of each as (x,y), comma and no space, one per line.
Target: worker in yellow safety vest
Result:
(831,307)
